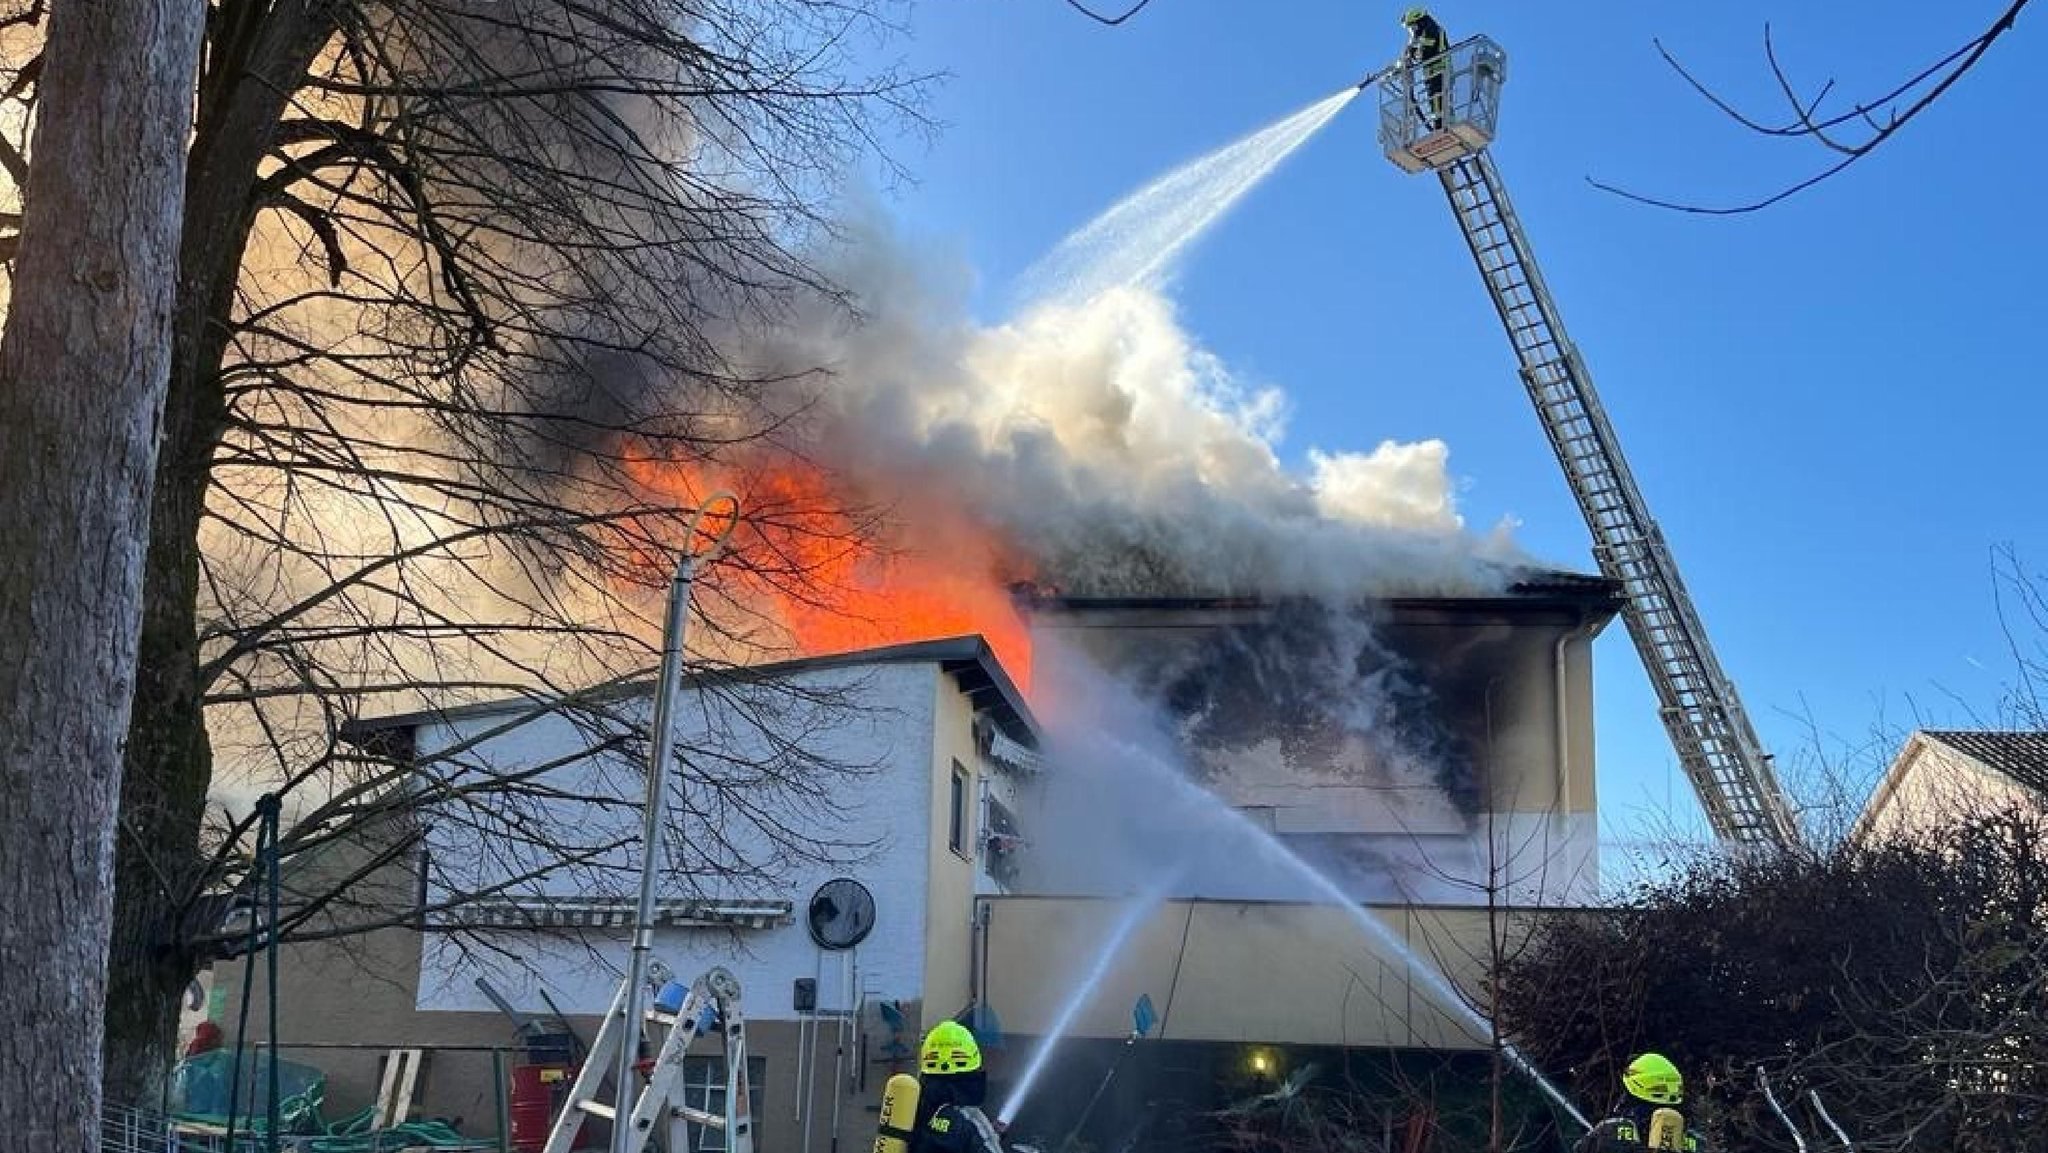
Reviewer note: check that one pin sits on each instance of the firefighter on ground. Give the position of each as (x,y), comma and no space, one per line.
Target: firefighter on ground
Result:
(1426,50)
(1650,1083)
(951,1088)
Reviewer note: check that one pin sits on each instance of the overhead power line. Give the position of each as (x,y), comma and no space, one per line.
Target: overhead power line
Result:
(1099,18)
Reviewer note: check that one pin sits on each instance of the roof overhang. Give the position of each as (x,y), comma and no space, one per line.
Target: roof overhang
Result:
(969,660)
(1576,599)
(533,912)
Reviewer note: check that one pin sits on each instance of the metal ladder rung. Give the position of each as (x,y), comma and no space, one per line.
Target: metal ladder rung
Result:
(598,1109)
(698,1116)
(1701,714)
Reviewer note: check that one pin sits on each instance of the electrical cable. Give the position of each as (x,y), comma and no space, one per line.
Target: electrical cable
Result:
(1099,18)
(1173,983)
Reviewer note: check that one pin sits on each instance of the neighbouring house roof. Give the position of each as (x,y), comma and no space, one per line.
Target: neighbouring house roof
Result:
(967,659)
(2023,756)
(2020,756)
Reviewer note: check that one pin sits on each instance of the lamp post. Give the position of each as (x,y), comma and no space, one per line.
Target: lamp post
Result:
(654,810)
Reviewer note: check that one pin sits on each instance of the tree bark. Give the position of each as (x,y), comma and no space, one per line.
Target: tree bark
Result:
(84,365)
(169,761)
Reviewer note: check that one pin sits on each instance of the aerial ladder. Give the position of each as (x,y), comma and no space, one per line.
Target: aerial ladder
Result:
(1439,116)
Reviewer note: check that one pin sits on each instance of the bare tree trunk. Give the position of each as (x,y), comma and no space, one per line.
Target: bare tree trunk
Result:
(169,761)
(83,368)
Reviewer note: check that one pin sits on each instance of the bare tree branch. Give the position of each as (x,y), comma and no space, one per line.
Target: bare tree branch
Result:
(458,292)
(1878,114)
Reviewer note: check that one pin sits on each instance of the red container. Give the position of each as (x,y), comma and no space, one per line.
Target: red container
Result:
(534,1088)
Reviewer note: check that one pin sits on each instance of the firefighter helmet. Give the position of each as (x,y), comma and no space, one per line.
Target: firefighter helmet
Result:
(1652,1077)
(949,1048)
(1414,16)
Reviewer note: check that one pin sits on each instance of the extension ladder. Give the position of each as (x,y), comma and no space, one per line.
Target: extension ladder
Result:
(713,999)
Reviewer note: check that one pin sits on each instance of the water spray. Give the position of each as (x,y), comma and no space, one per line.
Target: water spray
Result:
(1813,1098)
(1434,984)
(1137,242)
(1140,910)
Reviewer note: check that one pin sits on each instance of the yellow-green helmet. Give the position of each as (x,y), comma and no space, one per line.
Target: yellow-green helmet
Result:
(1414,16)
(950,1048)
(1653,1078)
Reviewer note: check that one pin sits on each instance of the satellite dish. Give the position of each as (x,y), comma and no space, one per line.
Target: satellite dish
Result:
(842,913)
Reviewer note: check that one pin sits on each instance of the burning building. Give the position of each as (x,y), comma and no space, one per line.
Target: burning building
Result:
(1337,739)
(1410,782)
(1430,756)
(1418,749)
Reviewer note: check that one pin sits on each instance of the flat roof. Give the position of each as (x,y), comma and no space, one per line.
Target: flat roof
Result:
(969,660)
(1526,587)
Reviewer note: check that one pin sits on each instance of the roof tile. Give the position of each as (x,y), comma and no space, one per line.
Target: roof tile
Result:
(2023,756)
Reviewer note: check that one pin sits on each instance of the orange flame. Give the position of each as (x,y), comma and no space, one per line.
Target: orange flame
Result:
(837,578)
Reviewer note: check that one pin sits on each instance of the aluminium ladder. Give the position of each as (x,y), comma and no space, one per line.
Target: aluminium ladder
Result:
(713,999)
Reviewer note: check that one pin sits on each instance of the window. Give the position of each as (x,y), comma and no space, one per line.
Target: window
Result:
(956,815)
(704,1088)
(1002,843)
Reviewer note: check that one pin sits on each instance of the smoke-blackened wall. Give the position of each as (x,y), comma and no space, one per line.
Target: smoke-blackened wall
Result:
(1311,689)
(1417,749)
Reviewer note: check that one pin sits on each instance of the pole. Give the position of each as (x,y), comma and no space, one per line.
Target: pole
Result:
(839,1041)
(503,1101)
(654,813)
(272,809)
(1074,1133)
(807,1056)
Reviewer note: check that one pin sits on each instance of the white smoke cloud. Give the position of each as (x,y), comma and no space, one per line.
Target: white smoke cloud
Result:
(1393,486)
(1103,440)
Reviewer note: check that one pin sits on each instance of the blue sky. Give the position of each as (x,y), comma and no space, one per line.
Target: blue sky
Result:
(1833,407)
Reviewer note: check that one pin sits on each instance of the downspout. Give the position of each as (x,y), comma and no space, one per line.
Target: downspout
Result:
(1580,630)
(977,950)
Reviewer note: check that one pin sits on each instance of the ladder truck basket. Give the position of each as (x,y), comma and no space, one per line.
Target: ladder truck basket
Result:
(1436,113)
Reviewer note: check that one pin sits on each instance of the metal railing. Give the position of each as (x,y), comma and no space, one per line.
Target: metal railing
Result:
(1437,112)
(127,1130)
